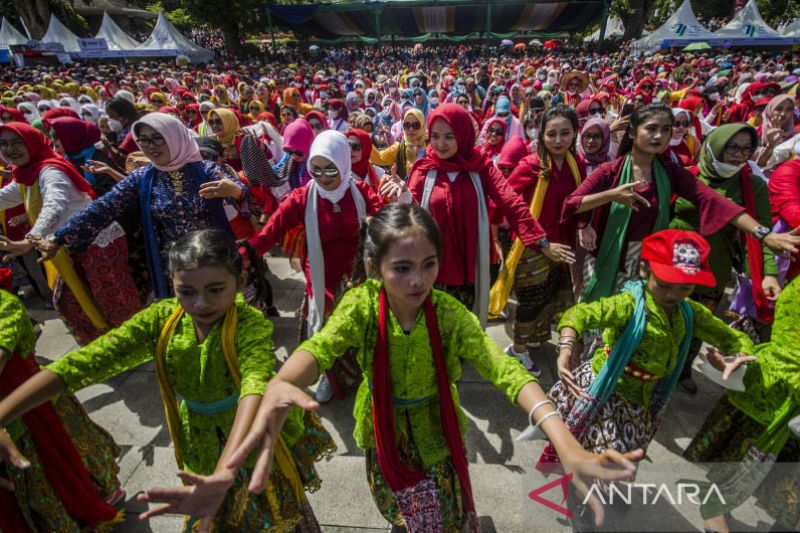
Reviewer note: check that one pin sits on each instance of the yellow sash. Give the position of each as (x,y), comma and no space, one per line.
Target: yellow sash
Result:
(498,296)
(283,456)
(62,263)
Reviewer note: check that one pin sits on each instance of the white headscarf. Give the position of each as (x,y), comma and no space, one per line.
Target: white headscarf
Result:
(333,146)
(126,95)
(29,110)
(182,146)
(93,110)
(45,103)
(71,103)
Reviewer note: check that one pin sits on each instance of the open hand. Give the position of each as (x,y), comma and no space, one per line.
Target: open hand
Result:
(10,454)
(567,377)
(14,248)
(222,188)
(47,248)
(783,243)
(726,365)
(626,195)
(560,253)
(201,497)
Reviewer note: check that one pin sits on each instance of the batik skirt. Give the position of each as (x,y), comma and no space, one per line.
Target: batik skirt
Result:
(725,437)
(276,508)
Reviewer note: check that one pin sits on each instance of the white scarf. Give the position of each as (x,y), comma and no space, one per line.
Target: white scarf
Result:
(333,146)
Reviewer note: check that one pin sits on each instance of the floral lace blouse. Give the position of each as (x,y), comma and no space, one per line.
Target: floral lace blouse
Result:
(353,324)
(197,371)
(177,210)
(658,351)
(774,378)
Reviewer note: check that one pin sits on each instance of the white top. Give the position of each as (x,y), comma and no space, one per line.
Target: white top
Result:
(60,200)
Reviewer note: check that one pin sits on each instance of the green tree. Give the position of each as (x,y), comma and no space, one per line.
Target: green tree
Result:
(36,15)
(178,16)
(234,17)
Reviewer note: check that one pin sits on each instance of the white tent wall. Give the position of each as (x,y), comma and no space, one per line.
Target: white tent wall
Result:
(58,33)
(680,29)
(114,36)
(166,40)
(9,35)
(747,28)
(792,30)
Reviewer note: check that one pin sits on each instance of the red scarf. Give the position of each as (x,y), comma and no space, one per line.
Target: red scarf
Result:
(755,253)
(362,168)
(75,134)
(63,466)
(396,474)
(487,149)
(467,158)
(41,155)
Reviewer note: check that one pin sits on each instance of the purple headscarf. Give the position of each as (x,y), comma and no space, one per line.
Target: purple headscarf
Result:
(600,156)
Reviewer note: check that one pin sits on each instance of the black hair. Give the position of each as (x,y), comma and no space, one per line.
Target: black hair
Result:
(638,117)
(291,109)
(123,108)
(204,248)
(545,161)
(395,221)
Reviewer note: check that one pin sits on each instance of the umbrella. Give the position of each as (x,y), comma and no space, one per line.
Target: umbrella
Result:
(313,48)
(519,46)
(418,46)
(535,42)
(697,46)
(506,42)
(551,44)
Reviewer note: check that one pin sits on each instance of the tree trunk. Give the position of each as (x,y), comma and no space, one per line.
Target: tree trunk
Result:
(640,12)
(36,16)
(232,37)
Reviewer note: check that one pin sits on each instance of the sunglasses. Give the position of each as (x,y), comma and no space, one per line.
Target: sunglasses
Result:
(502,115)
(733,150)
(592,137)
(496,131)
(356,147)
(298,153)
(596,111)
(411,126)
(330,172)
(215,122)
(682,123)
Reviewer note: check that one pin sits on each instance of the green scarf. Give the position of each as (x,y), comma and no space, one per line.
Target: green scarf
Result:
(606,267)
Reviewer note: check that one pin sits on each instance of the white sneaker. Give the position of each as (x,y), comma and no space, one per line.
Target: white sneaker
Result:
(525,359)
(324,389)
(794,425)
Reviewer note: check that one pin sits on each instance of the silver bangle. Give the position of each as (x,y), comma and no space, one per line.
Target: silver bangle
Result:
(535,407)
(548,415)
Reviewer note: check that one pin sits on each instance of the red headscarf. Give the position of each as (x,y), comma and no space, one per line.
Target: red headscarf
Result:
(17,115)
(362,168)
(692,104)
(513,152)
(266,116)
(193,123)
(41,155)
(467,158)
(492,150)
(74,134)
(57,112)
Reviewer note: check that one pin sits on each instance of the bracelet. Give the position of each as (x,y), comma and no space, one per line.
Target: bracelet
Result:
(548,415)
(571,344)
(535,407)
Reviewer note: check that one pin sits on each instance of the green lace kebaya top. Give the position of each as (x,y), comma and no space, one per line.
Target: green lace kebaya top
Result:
(354,324)
(197,371)
(658,351)
(16,335)
(772,383)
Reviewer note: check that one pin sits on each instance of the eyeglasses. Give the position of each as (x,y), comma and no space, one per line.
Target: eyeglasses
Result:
(734,150)
(462,102)
(6,145)
(496,131)
(156,140)
(298,153)
(330,172)
(592,137)
(682,123)
(595,110)
(411,126)
(504,114)
(215,122)
(356,147)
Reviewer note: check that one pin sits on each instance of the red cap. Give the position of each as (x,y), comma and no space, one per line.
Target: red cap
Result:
(678,256)
(5,279)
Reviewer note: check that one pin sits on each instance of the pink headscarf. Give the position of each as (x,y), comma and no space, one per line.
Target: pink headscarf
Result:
(787,130)
(182,146)
(298,136)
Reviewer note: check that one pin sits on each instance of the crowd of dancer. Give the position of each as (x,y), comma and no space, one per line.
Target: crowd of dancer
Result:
(639,206)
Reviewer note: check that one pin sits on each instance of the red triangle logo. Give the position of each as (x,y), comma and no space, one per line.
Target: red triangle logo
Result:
(563,481)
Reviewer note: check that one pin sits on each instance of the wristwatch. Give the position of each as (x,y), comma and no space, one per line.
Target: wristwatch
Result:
(761,232)
(543,243)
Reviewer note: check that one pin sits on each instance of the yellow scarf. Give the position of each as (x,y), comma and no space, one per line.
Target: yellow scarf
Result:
(283,457)
(230,125)
(498,296)
(62,263)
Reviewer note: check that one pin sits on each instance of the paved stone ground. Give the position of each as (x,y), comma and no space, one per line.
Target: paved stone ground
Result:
(502,473)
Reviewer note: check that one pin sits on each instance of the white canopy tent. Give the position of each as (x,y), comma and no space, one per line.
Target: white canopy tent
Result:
(114,36)
(792,30)
(9,36)
(168,41)
(58,33)
(680,29)
(747,28)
